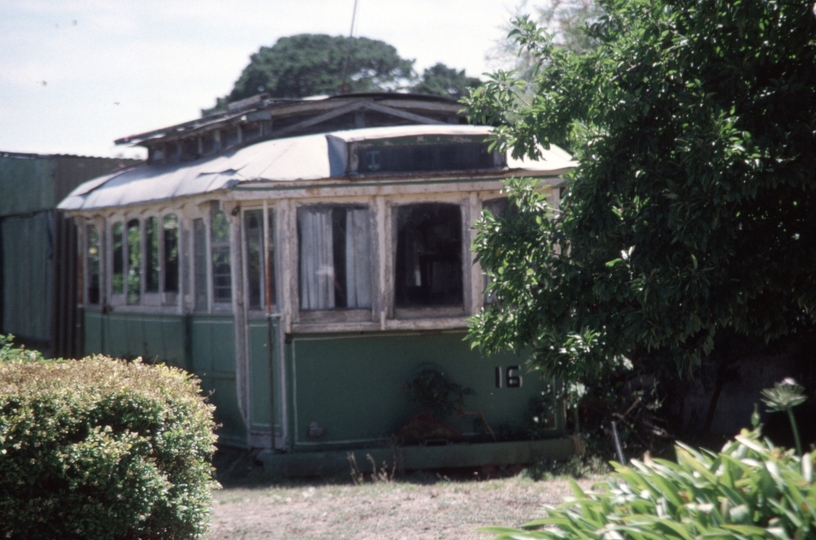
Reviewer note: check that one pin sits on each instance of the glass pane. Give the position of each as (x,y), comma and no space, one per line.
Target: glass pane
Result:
(152,254)
(253,229)
(335,257)
(378,158)
(270,258)
(251,131)
(171,254)
(134,249)
(200,264)
(171,152)
(208,144)
(92,258)
(222,277)
(118,258)
(428,270)
(229,137)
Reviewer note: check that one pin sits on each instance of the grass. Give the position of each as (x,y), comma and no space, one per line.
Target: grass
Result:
(255,504)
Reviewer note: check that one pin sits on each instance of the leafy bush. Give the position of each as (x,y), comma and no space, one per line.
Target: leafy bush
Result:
(9,352)
(586,466)
(749,490)
(102,448)
(436,393)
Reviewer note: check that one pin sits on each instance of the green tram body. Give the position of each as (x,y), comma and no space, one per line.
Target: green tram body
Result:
(212,291)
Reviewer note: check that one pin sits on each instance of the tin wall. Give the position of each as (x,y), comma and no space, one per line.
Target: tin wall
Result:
(38,249)
(33,183)
(26,253)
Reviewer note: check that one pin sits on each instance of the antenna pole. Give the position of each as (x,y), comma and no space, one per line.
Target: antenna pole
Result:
(344,89)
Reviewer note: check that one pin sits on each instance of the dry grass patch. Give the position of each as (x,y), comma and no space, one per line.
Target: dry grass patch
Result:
(419,506)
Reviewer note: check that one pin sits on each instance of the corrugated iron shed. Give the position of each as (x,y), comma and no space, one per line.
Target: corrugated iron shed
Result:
(38,246)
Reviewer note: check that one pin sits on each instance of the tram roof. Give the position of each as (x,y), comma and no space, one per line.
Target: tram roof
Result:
(305,158)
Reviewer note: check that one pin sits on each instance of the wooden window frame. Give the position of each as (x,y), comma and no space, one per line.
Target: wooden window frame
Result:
(426,315)
(152,299)
(220,306)
(383,315)
(169,298)
(337,318)
(116,299)
(101,231)
(270,286)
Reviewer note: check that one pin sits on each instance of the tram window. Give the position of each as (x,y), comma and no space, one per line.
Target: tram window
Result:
(134,261)
(171,253)
(428,269)
(93,265)
(229,137)
(251,131)
(171,152)
(189,149)
(253,229)
(151,262)
(156,153)
(270,258)
(221,273)
(200,264)
(118,258)
(208,143)
(446,156)
(259,280)
(335,257)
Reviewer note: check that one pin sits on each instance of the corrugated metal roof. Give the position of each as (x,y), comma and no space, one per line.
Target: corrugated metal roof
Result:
(309,157)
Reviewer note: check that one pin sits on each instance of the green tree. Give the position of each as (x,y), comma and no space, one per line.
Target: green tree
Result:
(314,64)
(442,80)
(692,211)
(565,21)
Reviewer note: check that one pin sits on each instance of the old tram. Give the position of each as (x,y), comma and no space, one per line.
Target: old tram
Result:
(307,259)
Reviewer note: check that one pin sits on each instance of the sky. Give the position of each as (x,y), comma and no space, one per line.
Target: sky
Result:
(77,74)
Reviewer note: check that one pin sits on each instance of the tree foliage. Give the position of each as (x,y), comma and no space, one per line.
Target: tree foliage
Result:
(442,80)
(565,21)
(692,211)
(314,64)
(317,64)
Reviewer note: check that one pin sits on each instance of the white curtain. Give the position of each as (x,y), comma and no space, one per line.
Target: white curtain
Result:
(316,258)
(358,258)
(317,264)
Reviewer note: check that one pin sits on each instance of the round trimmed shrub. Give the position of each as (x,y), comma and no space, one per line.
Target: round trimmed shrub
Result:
(102,448)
